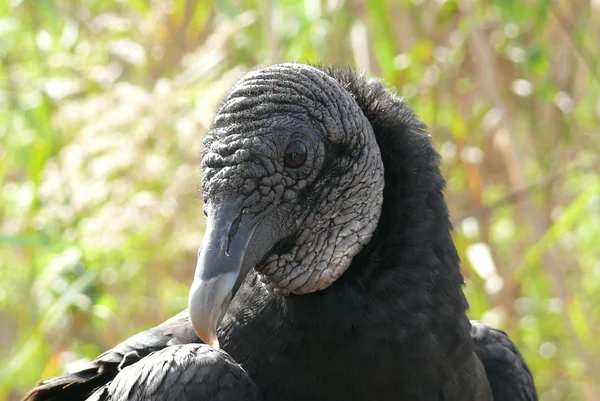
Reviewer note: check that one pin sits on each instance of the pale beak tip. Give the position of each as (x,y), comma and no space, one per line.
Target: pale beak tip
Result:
(214,343)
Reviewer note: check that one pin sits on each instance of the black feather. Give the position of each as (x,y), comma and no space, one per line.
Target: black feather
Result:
(508,374)
(186,372)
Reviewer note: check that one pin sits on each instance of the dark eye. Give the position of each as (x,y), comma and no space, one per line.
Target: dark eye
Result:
(295,155)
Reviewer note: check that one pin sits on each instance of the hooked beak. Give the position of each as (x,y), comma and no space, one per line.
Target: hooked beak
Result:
(226,256)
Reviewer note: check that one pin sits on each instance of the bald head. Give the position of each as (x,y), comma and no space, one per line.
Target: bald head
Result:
(292,181)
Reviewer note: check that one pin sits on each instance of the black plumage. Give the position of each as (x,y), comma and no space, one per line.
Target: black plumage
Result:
(506,370)
(187,372)
(390,324)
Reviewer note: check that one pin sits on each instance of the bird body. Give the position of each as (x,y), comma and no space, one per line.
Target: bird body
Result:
(328,270)
(377,356)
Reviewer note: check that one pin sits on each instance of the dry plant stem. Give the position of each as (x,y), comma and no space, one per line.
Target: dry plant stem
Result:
(506,145)
(269,32)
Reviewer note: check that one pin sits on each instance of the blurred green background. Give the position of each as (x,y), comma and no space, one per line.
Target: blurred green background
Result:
(104,104)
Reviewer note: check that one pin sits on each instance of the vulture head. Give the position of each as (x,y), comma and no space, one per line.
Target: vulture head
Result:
(293,187)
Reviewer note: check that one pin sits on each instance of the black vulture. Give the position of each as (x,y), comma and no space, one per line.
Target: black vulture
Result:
(326,219)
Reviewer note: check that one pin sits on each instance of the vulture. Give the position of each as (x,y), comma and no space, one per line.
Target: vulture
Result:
(327,270)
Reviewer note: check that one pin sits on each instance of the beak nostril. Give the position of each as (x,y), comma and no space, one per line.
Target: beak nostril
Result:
(232,231)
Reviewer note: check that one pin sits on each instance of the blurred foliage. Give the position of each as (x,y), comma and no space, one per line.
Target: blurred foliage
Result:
(103,106)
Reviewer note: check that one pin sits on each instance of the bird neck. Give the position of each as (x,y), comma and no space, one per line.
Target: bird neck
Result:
(408,273)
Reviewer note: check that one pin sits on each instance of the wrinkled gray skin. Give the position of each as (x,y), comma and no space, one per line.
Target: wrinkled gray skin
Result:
(298,227)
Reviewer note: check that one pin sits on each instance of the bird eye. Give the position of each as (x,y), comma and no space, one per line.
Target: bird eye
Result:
(295,155)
